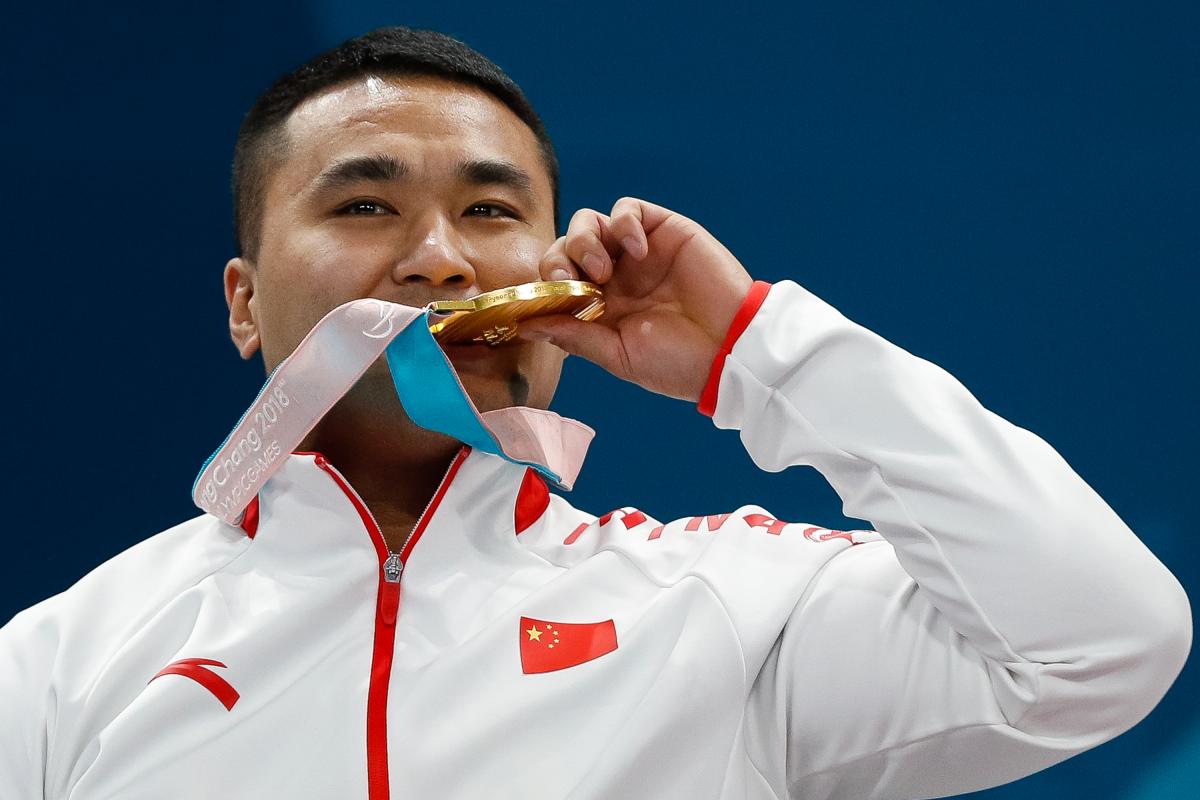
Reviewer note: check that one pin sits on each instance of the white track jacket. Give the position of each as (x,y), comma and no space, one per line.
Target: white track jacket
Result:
(998,619)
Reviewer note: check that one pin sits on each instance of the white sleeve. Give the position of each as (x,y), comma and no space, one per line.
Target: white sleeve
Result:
(1009,619)
(27,647)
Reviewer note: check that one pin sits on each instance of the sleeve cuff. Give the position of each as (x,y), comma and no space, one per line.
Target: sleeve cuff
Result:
(745,313)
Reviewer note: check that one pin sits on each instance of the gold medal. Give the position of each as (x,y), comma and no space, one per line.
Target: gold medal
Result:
(492,317)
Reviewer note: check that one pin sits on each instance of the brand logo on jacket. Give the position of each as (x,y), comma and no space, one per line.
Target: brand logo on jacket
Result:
(196,669)
(549,646)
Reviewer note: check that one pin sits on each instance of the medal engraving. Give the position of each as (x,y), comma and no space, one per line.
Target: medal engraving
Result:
(492,318)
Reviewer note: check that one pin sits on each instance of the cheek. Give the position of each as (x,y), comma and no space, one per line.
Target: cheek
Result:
(530,250)
(321,263)
(281,317)
(297,287)
(512,262)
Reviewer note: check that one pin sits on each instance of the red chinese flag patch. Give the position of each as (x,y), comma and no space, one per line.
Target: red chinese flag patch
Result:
(547,646)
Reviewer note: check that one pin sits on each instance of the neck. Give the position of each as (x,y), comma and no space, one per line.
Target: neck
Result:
(395,468)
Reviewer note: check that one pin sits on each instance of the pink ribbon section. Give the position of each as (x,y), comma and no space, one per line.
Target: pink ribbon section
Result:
(305,385)
(323,367)
(543,437)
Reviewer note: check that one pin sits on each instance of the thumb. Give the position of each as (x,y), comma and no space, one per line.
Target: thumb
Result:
(597,343)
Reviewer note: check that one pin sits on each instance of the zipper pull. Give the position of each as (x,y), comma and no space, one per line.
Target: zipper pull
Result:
(389,592)
(392,568)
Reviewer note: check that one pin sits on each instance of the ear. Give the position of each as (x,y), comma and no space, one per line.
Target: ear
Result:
(239,296)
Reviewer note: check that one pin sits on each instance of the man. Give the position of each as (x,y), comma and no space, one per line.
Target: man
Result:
(400,615)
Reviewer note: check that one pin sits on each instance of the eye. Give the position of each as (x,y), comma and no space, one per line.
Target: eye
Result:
(506,212)
(365,208)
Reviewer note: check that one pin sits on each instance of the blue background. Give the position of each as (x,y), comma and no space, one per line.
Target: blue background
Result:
(1009,191)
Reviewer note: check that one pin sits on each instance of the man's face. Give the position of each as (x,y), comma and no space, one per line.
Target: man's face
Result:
(375,195)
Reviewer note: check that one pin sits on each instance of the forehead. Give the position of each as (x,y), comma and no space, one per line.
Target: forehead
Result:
(421,120)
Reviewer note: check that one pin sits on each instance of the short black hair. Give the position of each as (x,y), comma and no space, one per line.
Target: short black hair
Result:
(393,51)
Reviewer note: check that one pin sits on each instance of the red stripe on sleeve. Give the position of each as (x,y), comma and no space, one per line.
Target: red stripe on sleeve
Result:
(741,320)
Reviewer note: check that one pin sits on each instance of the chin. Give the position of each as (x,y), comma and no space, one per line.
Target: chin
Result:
(491,393)
(488,389)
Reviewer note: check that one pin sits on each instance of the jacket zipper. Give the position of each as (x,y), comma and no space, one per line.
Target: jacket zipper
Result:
(391,566)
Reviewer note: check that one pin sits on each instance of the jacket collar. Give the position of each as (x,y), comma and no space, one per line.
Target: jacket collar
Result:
(483,493)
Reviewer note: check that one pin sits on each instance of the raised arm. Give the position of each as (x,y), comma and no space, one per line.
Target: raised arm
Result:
(1010,620)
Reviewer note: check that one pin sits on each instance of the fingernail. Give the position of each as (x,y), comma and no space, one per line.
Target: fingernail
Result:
(593,264)
(632,246)
(533,336)
(559,274)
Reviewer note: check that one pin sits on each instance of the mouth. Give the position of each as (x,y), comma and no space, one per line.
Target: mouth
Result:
(470,351)
(481,359)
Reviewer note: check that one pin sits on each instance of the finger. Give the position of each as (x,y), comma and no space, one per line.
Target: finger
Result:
(586,246)
(555,265)
(651,214)
(670,229)
(628,227)
(597,343)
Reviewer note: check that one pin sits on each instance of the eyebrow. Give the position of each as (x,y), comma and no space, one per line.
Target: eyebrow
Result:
(360,169)
(387,169)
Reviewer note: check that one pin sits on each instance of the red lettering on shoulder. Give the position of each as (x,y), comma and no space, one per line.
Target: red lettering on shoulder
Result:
(773,526)
(575,534)
(713,522)
(630,517)
(812,535)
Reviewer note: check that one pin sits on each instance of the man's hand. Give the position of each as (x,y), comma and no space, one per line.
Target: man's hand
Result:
(671,291)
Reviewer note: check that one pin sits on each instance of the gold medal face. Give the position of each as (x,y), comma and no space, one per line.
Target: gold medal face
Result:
(493,317)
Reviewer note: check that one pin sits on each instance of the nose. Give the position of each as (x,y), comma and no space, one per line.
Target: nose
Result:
(437,258)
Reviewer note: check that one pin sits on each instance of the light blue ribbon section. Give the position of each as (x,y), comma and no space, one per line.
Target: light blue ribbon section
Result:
(432,396)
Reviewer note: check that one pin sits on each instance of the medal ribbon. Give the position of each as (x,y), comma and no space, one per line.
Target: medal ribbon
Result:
(328,362)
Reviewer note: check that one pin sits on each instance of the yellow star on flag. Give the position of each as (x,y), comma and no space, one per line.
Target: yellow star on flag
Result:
(534,634)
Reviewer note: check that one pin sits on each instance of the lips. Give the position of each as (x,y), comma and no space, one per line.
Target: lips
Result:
(469,352)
